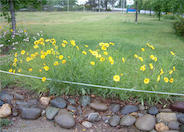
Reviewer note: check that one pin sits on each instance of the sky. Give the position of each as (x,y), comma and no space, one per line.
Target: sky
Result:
(81,1)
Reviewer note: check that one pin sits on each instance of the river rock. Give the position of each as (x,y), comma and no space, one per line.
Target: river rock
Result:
(30,113)
(87,124)
(153,110)
(161,127)
(18,96)
(114,108)
(127,120)
(85,100)
(98,106)
(45,101)
(129,109)
(65,120)
(174,125)
(72,101)
(7,98)
(51,112)
(141,107)
(58,102)
(114,120)
(145,123)
(72,108)
(180,118)
(178,106)
(5,110)
(106,118)
(166,117)
(94,117)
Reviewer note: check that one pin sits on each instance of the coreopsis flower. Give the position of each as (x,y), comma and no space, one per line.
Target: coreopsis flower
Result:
(143,68)
(166,79)
(171,80)
(146,80)
(123,59)
(151,66)
(44,79)
(116,78)
(63,61)
(23,52)
(172,53)
(92,63)
(84,52)
(61,57)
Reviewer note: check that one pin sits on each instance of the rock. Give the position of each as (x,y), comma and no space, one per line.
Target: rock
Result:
(182,128)
(18,96)
(15,112)
(129,109)
(172,131)
(141,107)
(1,102)
(98,106)
(166,117)
(127,120)
(87,124)
(94,117)
(180,118)
(114,120)
(7,98)
(165,110)
(114,108)
(51,112)
(45,101)
(85,100)
(153,110)
(30,113)
(22,104)
(79,110)
(161,127)
(65,120)
(178,106)
(173,125)
(145,123)
(72,101)
(71,108)
(106,119)
(5,110)
(32,102)
(58,102)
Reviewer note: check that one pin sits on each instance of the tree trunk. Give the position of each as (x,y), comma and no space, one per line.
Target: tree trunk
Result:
(159,15)
(150,11)
(136,14)
(12,12)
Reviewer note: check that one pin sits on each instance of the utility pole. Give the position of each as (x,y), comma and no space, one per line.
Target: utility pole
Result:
(68,5)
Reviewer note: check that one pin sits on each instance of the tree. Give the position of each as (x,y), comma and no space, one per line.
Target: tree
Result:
(9,8)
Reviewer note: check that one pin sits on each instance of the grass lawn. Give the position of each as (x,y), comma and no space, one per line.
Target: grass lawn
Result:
(91,28)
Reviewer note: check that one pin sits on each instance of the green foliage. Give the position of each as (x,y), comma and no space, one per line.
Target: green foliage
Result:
(4,122)
(179,26)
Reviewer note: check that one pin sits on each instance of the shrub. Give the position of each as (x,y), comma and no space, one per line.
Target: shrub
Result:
(105,65)
(4,122)
(179,26)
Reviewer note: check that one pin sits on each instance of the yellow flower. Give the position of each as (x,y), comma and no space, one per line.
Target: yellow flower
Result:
(56,47)
(63,61)
(121,74)
(151,66)
(40,70)
(19,70)
(135,56)
(28,59)
(86,46)
(15,60)
(116,78)
(111,61)
(36,42)
(11,30)
(30,69)
(105,53)
(161,71)
(172,53)
(142,49)
(15,54)
(46,68)
(171,80)
(143,68)
(44,79)
(84,52)
(42,56)
(103,48)
(155,59)
(146,80)
(166,79)
(64,41)
(25,31)
(15,64)
(123,59)
(170,72)
(10,70)
(63,45)
(174,68)
(48,51)
(35,46)
(73,42)
(13,71)
(22,52)
(61,57)
(158,78)
(102,59)
(77,47)
(56,63)
(111,43)
(92,63)
(69,57)
(152,57)
(141,59)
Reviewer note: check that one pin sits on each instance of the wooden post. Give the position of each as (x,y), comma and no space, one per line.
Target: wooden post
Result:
(136,14)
